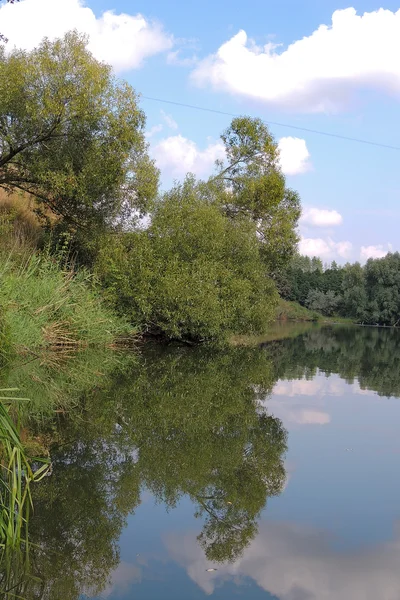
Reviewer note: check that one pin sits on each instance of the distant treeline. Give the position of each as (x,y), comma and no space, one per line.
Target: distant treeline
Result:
(367,294)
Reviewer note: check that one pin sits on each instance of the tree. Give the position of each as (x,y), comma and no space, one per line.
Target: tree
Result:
(193,274)
(71,134)
(354,292)
(382,282)
(252,184)
(326,303)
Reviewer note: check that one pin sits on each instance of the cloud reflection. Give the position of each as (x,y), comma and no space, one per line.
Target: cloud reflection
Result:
(295,562)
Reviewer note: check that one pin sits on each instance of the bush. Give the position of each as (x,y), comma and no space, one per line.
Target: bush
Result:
(326,303)
(193,274)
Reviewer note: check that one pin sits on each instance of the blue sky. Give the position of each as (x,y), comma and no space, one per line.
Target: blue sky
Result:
(329,66)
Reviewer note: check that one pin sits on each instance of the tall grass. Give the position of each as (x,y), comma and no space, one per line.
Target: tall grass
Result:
(45,306)
(16,476)
(17,473)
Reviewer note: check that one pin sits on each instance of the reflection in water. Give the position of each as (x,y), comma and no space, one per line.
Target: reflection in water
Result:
(294,562)
(184,423)
(199,425)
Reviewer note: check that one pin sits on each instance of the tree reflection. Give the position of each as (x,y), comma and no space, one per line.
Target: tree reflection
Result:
(180,422)
(369,354)
(183,422)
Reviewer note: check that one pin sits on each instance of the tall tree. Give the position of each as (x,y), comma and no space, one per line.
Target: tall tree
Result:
(252,184)
(71,134)
(193,274)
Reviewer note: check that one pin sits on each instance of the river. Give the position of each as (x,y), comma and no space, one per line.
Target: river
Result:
(266,472)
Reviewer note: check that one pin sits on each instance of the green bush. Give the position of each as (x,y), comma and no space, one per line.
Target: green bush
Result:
(193,274)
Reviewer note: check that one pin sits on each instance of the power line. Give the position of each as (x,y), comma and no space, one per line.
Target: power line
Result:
(316,131)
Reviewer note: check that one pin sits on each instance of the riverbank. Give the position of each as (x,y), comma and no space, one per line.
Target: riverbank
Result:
(292,311)
(45,307)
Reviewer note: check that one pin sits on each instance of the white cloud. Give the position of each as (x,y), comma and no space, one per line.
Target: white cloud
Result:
(171,123)
(317,73)
(174,58)
(122,578)
(325,248)
(294,156)
(374,251)
(293,561)
(319,217)
(121,40)
(154,130)
(176,156)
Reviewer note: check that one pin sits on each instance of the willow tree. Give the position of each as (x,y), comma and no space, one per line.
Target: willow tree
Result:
(71,134)
(251,184)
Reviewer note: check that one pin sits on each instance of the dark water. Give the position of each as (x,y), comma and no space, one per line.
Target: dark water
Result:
(278,466)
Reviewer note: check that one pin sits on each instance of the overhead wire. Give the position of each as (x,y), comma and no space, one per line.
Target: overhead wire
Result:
(274,123)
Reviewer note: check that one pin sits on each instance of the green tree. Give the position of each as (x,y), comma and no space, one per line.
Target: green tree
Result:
(252,184)
(193,274)
(326,303)
(354,292)
(71,134)
(382,282)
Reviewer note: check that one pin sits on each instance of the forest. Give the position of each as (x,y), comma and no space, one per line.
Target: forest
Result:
(368,294)
(79,267)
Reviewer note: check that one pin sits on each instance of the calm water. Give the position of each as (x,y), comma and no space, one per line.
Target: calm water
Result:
(278,466)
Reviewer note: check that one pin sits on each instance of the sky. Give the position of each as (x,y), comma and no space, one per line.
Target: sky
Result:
(300,65)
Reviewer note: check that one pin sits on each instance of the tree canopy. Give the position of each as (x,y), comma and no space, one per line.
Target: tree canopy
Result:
(368,294)
(193,274)
(205,266)
(251,183)
(71,134)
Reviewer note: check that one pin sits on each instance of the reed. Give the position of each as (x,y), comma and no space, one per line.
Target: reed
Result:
(17,473)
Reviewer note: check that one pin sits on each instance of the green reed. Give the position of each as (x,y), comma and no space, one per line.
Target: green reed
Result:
(17,473)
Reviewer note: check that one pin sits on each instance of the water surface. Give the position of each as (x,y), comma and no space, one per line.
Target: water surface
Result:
(277,466)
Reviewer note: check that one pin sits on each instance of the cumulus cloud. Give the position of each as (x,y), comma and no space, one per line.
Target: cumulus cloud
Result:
(293,562)
(294,156)
(374,251)
(122,40)
(325,248)
(319,217)
(177,155)
(317,73)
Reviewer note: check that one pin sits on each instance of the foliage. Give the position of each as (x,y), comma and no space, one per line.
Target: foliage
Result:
(44,306)
(16,476)
(193,274)
(72,135)
(369,294)
(326,303)
(252,184)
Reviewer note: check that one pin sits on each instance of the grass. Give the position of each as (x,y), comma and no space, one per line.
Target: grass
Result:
(42,304)
(292,311)
(46,307)
(16,476)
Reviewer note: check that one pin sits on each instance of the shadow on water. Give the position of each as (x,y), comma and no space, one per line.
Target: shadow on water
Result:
(178,423)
